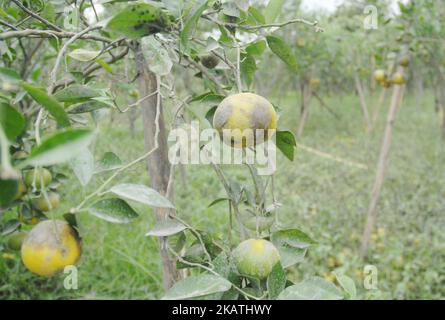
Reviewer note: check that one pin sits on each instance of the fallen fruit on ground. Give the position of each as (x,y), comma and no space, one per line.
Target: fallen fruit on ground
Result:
(245,119)
(256,258)
(301,42)
(40,175)
(314,82)
(43,204)
(50,247)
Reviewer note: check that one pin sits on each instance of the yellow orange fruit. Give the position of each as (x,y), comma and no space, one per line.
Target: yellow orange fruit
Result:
(49,247)
(245,119)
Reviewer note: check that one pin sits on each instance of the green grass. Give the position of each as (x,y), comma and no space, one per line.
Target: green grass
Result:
(326,199)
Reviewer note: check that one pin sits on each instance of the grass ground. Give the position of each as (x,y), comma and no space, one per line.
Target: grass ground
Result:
(327,199)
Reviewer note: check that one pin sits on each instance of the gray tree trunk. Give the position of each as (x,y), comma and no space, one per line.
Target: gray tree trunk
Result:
(157,163)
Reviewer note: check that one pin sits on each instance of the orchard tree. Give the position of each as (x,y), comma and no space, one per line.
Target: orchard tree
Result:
(61,65)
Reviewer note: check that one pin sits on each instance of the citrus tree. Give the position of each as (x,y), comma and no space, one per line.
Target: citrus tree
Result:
(65,62)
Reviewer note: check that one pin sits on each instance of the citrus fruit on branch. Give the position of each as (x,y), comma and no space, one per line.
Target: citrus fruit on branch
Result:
(245,119)
(39,175)
(43,204)
(379,75)
(49,247)
(209,61)
(256,258)
(398,78)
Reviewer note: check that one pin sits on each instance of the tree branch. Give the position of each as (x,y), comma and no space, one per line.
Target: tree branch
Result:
(35,15)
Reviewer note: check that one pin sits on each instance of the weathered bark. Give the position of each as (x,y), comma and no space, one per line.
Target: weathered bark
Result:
(132,115)
(364,106)
(381,166)
(157,163)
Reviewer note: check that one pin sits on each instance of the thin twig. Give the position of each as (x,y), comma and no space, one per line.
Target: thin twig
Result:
(35,15)
(61,53)
(48,34)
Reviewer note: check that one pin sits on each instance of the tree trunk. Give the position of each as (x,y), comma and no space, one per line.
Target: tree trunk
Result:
(132,115)
(377,108)
(157,163)
(381,166)
(363,104)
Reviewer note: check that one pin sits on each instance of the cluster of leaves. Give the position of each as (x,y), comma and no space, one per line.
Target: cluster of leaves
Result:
(167,32)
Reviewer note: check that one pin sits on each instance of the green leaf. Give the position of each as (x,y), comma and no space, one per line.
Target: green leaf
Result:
(217,201)
(248,69)
(347,284)
(256,48)
(59,147)
(157,56)
(283,51)
(142,194)
(49,103)
(197,286)
(208,97)
(10,226)
(109,161)
(210,113)
(88,107)
(12,121)
(83,166)
(139,20)
(292,245)
(273,9)
(83,55)
(8,74)
(191,23)
(108,68)
(292,237)
(314,288)
(76,93)
(276,281)
(289,255)
(113,210)
(9,188)
(286,143)
(166,228)
(257,15)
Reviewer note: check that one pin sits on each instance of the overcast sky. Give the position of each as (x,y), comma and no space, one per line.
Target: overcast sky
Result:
(325,5)
(330,5)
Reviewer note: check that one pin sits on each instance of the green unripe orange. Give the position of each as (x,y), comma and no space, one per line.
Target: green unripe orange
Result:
(256,258)
(43,204)
(20,155)
(15,241)
(21,190)
(209,61)
(245,119)
(40,175)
